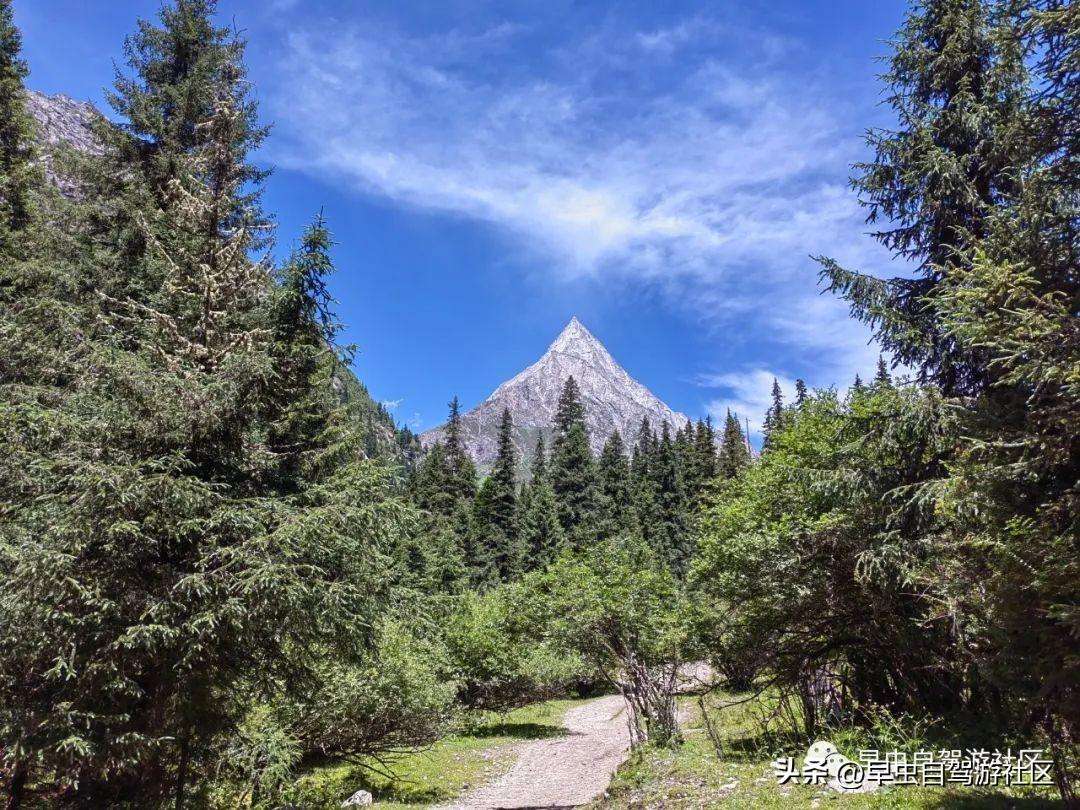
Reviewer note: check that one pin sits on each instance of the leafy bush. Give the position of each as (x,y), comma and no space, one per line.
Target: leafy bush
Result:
(619,608)
(394,700)
(259,761)
(499,654)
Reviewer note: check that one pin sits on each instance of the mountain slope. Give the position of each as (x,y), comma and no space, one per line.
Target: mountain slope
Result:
(613,399)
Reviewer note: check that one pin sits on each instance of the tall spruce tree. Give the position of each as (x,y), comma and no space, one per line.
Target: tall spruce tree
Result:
(979,184)
(881,376)
(643,482)
(670,538)
(572,469)
(304,332)
(774,418)
(28,310)
(614,490)
(446,479)
(443,485)
(176,65)
(153,573)
(957,82)
(734,455)
(460,466)
(16,170)
(494,525)
(538,470)
(541,533)
(701,465)
(1011,304)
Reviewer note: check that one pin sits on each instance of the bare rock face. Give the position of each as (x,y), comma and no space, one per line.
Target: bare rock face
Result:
(61,121)
(64,120)
(613,400)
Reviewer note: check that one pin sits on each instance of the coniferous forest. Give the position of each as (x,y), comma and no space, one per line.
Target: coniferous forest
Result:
(223,567)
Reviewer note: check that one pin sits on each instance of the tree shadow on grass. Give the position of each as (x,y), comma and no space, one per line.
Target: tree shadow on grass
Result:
(992,801)
(755,747)
(518,731)
(400,790)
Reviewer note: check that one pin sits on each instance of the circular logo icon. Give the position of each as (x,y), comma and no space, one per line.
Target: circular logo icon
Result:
(850,775)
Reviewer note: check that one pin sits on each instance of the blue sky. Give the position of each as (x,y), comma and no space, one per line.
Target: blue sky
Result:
(661,170)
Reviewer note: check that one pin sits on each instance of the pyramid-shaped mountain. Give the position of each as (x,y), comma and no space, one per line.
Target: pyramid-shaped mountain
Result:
(613,399)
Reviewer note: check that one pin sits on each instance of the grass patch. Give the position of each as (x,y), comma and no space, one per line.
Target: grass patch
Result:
(454,765)
(693,776)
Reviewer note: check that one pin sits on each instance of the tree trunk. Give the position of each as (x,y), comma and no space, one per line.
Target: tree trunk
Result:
(1062,752)
(650,697)
(181,774)
(17,787)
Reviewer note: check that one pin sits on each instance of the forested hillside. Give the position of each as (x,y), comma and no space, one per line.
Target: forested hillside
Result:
(226,579)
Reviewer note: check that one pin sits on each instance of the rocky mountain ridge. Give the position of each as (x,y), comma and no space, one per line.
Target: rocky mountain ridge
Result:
(613,399)
(60,120)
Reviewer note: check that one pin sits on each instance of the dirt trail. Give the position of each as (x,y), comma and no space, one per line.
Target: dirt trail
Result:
(561,771)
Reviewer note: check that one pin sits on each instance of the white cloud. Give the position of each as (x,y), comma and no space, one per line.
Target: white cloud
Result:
(713,182)
(747,394)
(392,404)
(667,40)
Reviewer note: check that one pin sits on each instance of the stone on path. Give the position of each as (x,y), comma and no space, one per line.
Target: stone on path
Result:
(359,799)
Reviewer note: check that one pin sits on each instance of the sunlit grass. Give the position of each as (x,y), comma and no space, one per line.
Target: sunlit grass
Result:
(693,776)
(451,767)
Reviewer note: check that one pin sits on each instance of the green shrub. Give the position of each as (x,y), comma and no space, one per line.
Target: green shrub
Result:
(500,656)
(395,700)
(259,761)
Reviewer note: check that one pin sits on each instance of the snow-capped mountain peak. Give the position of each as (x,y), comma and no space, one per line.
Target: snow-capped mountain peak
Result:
(613,399)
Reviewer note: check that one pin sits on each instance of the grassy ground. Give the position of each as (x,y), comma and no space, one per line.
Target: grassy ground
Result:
(444,771)
(693,776)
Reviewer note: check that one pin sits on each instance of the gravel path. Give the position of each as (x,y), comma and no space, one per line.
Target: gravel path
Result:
(562,771)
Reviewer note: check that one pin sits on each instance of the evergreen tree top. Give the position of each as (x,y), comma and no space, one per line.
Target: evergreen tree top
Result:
(957,83)
(539,461)
(614,446)
(774,417)
(569,410)
(734,451)
(304,296)
(882,376)
(665,434)
(182,71)
(16,139)
(453,425)
(506,459)
(800,392)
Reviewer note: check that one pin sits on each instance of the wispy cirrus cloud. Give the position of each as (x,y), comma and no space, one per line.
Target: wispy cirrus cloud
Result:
(747,394)
(712,181)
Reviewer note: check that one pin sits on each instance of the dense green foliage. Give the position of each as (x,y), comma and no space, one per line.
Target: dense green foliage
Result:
(827,519)
(916,547)
(619,607)
(191,524)
(494,531)
(498,529)
(16,170)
